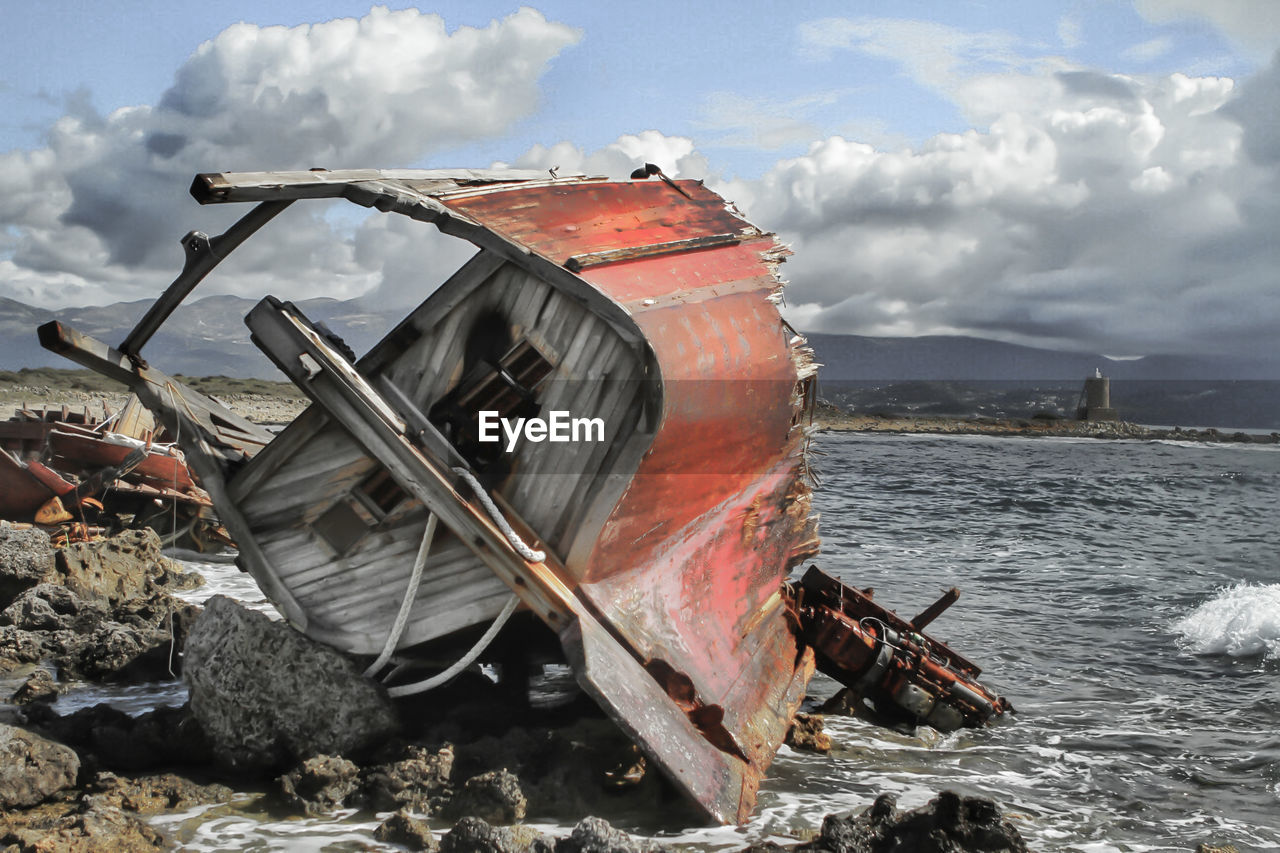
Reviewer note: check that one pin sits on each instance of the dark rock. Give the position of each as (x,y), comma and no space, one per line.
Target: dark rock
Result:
(83,830)
(267,696)
(52,607)
(806,733)
(137,639)
(150,795)
(494,797)
(1205,847)
(165,737)
(26,559)
(39,687)
(949,823)
(32,768)
(595,835)
(321,784)
(583,768)
(408,831)
(473,835)
(118,650)
(419,780)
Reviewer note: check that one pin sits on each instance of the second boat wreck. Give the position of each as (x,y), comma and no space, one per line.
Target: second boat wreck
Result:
(388,522)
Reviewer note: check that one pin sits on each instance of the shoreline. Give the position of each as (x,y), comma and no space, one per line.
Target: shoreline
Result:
(828,419)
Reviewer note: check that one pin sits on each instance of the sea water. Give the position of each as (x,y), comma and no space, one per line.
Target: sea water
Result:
(1124,595)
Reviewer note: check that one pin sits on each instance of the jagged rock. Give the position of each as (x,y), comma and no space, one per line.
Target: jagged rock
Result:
(419,781)
(19,648)
(39,687)
(596,835)
(26,559)
(473,835)
(1204,847)
(165,737)
(33,768)
(406,830)
(321,784)
(149,795)
(948,823)
(806,733)
(52,607)
(267,696)
(87,830)
(137,639)
(495,797)
(115,649)
(126,566)
(568,771)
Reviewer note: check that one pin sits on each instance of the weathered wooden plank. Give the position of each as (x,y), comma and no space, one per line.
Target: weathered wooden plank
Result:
(287,442)
(213,188)
(649,250)
(423,319)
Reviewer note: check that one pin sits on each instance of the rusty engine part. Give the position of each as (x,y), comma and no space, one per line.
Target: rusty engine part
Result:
(890,662)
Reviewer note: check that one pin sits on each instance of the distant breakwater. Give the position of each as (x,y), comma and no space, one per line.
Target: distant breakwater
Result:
(830,418)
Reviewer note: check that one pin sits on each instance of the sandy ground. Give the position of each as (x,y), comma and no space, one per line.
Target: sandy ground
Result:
(259,408)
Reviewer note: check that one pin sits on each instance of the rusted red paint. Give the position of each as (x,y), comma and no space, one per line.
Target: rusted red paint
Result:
(563,220)
(689,565)
(84,454)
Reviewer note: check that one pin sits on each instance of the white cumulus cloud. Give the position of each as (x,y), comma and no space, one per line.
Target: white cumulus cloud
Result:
(91,216)
(1124,215)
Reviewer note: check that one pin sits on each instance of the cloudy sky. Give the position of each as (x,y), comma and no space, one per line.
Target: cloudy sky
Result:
(1101,175)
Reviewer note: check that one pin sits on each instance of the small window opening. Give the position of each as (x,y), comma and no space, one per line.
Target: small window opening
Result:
(507,385)
(345,524)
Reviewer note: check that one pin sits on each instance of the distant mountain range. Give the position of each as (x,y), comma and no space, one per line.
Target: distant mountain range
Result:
(951,358)
(208,337)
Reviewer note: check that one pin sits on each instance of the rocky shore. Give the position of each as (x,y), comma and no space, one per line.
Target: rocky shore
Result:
(293,724)
(829,417)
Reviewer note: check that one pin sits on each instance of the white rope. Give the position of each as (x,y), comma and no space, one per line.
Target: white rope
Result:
(463,662)
(516,542)
(406,605)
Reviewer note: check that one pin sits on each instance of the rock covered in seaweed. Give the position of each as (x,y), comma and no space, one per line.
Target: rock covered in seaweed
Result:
(494,796)
(474,835)
(406,830)
(267,696)
(417,779)
(320,784)
(806,734)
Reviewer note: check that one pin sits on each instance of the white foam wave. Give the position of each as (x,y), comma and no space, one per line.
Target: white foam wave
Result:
(1240,621)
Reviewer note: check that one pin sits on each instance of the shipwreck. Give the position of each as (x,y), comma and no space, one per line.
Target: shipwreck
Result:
(385,520)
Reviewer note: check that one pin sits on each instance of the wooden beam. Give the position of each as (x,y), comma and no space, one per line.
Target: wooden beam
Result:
(203,254)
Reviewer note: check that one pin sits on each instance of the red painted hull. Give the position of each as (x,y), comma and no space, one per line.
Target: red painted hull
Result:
(689,565)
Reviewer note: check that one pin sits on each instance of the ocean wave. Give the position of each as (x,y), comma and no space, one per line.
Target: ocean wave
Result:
(1240,621)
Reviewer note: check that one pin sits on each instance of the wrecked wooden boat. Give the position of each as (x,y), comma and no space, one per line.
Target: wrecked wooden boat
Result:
(600,420)
(59,466)
(381,520)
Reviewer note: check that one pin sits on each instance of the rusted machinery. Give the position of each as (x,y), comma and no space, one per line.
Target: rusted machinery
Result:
(888,662)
